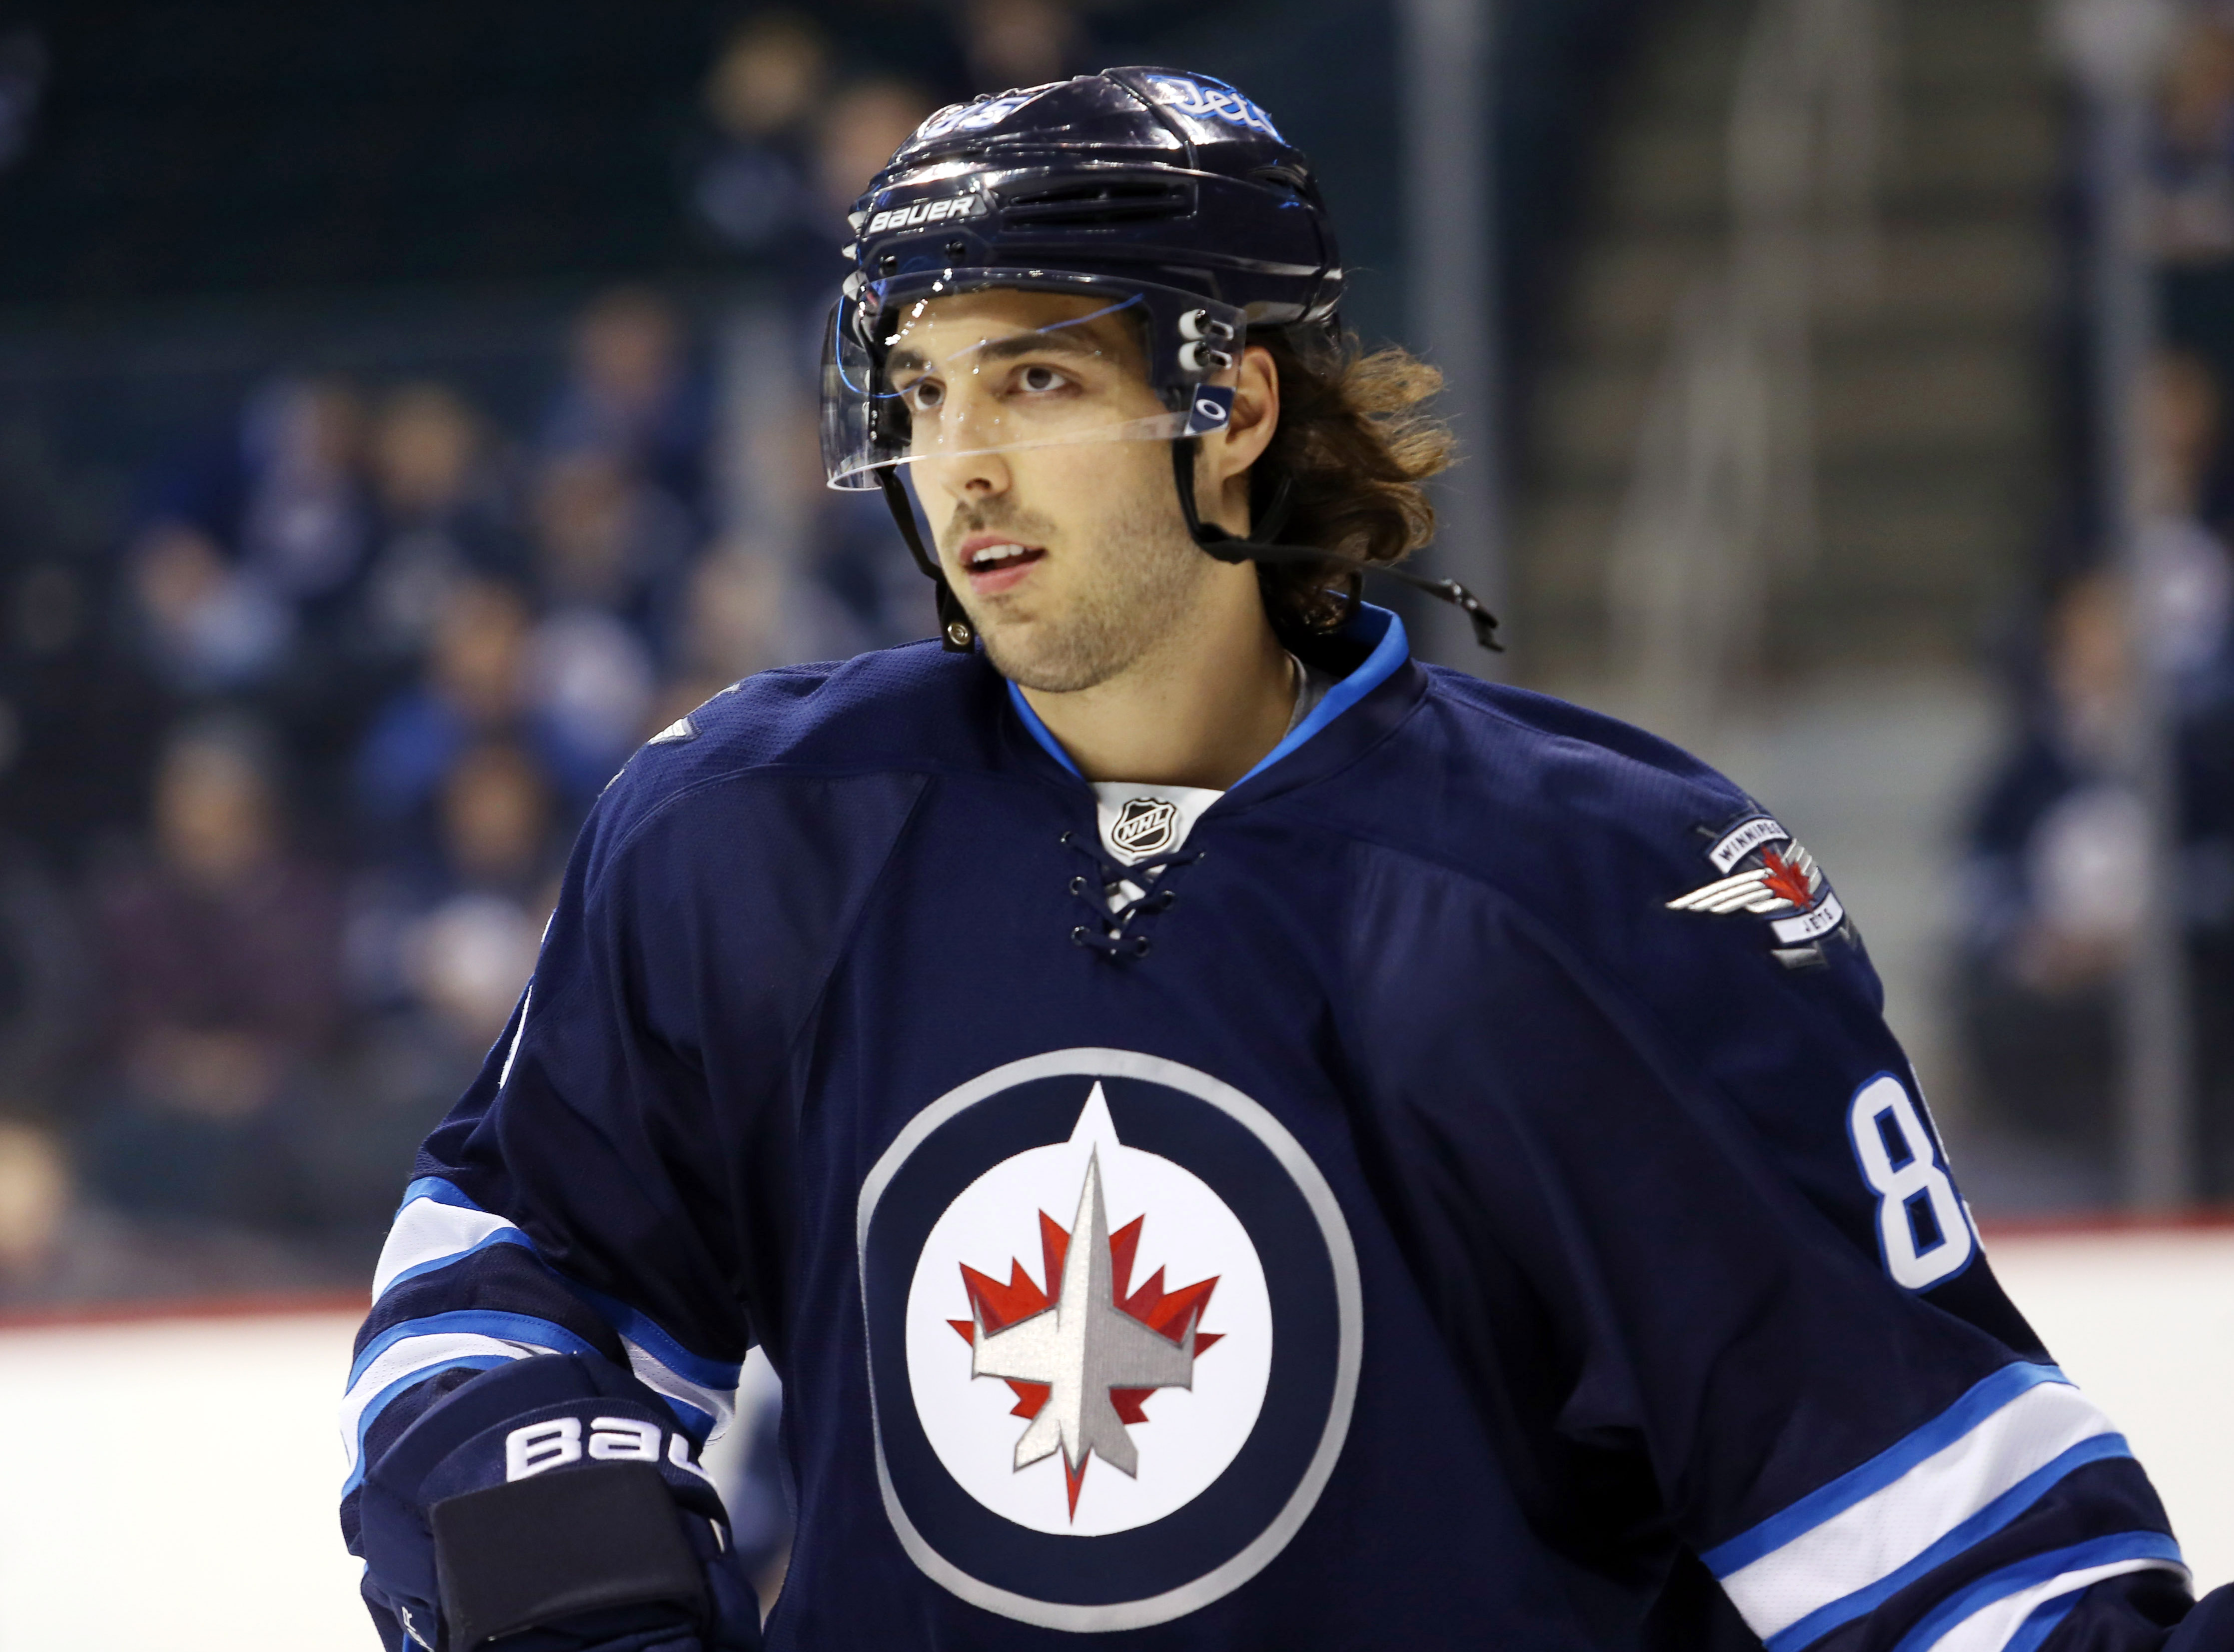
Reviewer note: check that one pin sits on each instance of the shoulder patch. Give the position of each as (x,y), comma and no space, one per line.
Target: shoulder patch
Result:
(1766,874)
(681,729)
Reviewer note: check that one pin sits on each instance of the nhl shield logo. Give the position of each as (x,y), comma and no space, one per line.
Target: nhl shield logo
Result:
(1115,1327)
(1146,826)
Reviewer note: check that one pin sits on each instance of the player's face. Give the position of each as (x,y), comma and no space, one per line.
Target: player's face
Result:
(1062,539)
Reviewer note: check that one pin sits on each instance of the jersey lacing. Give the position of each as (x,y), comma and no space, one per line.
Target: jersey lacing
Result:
(1114,930)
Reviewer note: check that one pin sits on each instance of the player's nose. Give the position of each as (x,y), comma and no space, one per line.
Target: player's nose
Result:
(968,473)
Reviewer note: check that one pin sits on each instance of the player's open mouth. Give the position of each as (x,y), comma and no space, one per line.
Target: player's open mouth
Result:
(994,564)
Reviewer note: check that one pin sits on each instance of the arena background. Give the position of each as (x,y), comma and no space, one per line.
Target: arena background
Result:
(405,407)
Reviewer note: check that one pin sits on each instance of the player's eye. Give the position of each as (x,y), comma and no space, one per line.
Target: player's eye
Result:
(1038,380)
(924,395)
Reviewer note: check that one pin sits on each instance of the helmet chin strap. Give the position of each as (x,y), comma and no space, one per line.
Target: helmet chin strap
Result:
(1232,547)
(956,634)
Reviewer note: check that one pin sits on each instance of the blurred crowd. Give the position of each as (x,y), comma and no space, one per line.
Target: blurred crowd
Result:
(2059,848)
(360,662)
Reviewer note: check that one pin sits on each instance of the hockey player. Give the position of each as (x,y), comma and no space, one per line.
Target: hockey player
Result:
(1231,1137)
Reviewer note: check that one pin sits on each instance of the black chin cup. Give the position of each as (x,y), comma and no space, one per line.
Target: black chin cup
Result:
(1231,547)
(956,634)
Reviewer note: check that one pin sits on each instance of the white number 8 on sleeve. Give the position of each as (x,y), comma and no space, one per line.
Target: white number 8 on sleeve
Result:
(1922,1226)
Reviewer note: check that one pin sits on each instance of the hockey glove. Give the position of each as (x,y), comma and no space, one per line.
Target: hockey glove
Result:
(553,1502)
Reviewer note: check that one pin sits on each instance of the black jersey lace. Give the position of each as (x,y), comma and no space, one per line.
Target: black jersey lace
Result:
(1116,932)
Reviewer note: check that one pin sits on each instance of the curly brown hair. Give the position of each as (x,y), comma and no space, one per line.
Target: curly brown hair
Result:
(1355,447)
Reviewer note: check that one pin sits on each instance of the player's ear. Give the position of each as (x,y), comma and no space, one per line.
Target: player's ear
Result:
(1256,414)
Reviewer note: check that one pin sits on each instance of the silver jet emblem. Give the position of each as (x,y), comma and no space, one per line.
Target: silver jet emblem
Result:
(1082,1346)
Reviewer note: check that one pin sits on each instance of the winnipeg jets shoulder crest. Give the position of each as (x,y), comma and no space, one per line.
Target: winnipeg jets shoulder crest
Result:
(1764,873)
(1114,1325)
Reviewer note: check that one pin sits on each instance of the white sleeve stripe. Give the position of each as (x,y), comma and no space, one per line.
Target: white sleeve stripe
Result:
(414,1354)
(1990,1627)
(428,1231)
(1886,1531)
(718,1407)
(518,1032)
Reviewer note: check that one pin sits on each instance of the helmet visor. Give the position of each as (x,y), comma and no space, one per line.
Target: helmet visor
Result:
(945,374)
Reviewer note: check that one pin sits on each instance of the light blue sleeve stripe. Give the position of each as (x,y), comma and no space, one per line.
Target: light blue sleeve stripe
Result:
(1390,651)
(2035,1569)
(380,1402)
(512,1328)
(648,1335)
(1828,1501)
(442,1192)
(638,1328)
(1981,1525)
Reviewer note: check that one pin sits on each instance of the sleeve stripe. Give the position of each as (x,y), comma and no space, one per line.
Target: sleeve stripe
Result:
(2011,1382)
(642,1333)
(2004,1610)
(525,1329)
(1984,1523)
(353,1441)
(431,1232)
(439,1225)
(702,1411)
(414,1359)
(1833,1569)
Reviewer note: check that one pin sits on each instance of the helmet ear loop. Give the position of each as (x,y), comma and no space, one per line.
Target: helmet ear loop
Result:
(956,634)
(1231,547)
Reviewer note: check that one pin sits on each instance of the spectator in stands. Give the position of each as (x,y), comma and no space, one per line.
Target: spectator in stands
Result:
(441,938)
(612,554)
(442,512)
(252,550)
(221,953)
(575,687)
(2193,169)
(469,953)
(2189,576)
(632,396)
(2059,860)
(865,588)
(207,624)
(473,686)
(751,185)
(1021,42)
(735,621)
(859,130)
(35,1202)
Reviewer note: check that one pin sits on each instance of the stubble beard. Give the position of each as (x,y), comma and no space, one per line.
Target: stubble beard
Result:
(1145,574)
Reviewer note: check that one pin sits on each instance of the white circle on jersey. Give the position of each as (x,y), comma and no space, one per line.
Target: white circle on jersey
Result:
(1086,1390)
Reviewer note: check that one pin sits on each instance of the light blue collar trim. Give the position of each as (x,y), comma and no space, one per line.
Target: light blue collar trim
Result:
(1038,730)
(1388,653)
(1380,665)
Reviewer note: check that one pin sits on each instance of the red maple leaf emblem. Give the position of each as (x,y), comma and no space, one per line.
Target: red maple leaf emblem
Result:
(1165,1312)
(1788,878)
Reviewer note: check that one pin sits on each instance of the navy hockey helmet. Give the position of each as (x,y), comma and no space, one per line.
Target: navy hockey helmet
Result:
(1168,193)
(1164,193)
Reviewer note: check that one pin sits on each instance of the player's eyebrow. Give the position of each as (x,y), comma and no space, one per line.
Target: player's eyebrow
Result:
(1058,339)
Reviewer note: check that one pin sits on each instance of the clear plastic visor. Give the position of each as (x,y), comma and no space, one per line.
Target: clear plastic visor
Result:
(961,374)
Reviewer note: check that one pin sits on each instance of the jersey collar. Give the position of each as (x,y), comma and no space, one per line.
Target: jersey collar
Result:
(1388,658)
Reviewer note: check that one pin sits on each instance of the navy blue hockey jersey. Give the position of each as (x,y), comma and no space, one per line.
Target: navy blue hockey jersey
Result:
(1461,1193)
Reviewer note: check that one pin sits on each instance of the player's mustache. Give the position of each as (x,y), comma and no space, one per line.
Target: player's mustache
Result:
(997,517)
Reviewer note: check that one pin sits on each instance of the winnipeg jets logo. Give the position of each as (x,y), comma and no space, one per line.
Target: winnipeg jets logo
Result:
(1082,1364)
(1777,880)
(1146,826)
(1114,1327)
